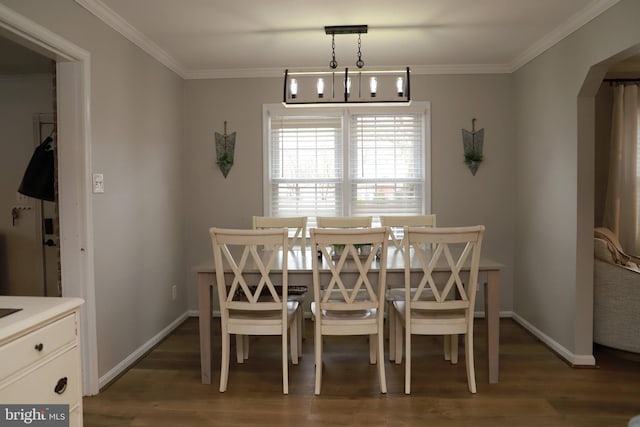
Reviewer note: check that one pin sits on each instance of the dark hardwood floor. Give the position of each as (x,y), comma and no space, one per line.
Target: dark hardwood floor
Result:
(537,388)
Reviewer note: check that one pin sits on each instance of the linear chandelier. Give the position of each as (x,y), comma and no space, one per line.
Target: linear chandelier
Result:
(348,85)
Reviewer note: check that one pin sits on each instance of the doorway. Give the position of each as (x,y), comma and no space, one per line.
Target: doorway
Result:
(74,144)
(24,90)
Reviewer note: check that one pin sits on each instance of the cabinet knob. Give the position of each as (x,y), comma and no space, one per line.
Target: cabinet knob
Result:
(61,386)
(39,346)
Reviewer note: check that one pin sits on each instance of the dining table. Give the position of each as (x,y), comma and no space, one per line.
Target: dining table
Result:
(299,271)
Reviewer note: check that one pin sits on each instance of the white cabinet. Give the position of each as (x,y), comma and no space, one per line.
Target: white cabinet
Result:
(40,353)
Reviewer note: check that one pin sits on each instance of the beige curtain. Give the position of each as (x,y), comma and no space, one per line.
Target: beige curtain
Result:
(621,205)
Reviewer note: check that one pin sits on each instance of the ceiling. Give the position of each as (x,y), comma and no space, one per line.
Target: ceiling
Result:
(256,38)
(252,38)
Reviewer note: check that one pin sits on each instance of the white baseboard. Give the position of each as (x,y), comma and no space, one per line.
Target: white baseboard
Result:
(133,357)
(573,359)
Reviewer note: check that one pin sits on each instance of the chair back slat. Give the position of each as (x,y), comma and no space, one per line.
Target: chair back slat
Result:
(295,225)
(241,251)
(350,285)
(344,221)
(396,225)
(453,247)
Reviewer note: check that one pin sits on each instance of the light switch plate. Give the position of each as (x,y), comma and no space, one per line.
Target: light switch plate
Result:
(98,183)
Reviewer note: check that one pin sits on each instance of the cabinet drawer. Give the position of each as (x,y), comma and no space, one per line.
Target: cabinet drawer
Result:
(38,386)
(36,345)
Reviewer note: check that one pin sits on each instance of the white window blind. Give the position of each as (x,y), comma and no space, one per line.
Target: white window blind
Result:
(387,164)
(306,166)
(346,161)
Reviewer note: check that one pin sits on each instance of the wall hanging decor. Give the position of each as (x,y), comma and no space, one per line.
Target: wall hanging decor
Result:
(472,144)
(225,144)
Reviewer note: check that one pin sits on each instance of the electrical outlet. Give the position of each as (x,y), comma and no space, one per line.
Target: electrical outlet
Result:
(174,292)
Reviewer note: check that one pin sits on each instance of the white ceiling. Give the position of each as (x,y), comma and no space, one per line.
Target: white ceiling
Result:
(245,38)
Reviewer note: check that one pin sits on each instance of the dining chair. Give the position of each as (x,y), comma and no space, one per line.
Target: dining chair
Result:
(254,299)
(344,221)
(395,291)
(349,291)
(298,227)
(449,307)
(396,224)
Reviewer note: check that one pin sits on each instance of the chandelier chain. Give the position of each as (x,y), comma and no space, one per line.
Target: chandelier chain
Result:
(359,62)
(333,64)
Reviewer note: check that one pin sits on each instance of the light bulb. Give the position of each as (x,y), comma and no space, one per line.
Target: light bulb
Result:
(400,86)
(348,86)
(293,87)
(373,86)
(320,87)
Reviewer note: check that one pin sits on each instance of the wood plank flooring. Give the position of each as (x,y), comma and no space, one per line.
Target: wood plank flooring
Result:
(536,387)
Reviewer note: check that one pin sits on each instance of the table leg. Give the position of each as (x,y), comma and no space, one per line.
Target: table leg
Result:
(492,313)
(204,308)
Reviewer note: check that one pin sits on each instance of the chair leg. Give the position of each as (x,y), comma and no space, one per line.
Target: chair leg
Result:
(454,349)
(381,373)
(240,348)
(398,338)
(224,364)
(391,321)
(285,363)
(246,347)
(300,330)
(471,371)
(407,363)
(294,337)
(373,349)
(318,355)
(446,347)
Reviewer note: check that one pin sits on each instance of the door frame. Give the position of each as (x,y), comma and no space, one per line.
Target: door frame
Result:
(73,66)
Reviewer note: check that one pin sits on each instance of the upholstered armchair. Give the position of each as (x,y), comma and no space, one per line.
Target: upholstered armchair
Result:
(616,320)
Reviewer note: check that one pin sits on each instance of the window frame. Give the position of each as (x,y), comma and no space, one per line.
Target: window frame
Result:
(345,112)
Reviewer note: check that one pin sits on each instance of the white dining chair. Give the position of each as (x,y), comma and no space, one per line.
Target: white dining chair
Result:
(395,291)
(396,224)
(348,293)
(297,229)
(344,221)
(251,301)
(449,307)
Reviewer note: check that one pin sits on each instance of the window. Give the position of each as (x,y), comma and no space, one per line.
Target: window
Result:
(346,161)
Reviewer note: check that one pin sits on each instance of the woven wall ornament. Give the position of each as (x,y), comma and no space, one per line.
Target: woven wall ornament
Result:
(225,145)
(472,143)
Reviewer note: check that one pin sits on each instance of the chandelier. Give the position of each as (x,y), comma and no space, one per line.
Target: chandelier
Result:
(348,85)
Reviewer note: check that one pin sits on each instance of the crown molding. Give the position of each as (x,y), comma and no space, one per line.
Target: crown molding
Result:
(595,8)
(461,69)
(115,21)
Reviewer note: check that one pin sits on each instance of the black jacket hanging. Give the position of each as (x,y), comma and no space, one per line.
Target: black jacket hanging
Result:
(38,179)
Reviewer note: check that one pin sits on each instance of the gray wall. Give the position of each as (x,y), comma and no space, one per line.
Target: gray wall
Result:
(458,198)
(136,131)
(537,163)
(554,175)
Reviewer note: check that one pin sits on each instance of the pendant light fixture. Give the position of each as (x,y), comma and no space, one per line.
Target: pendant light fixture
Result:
(348,85)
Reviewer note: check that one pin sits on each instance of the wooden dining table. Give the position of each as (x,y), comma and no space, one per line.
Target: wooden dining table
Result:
(300,273)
